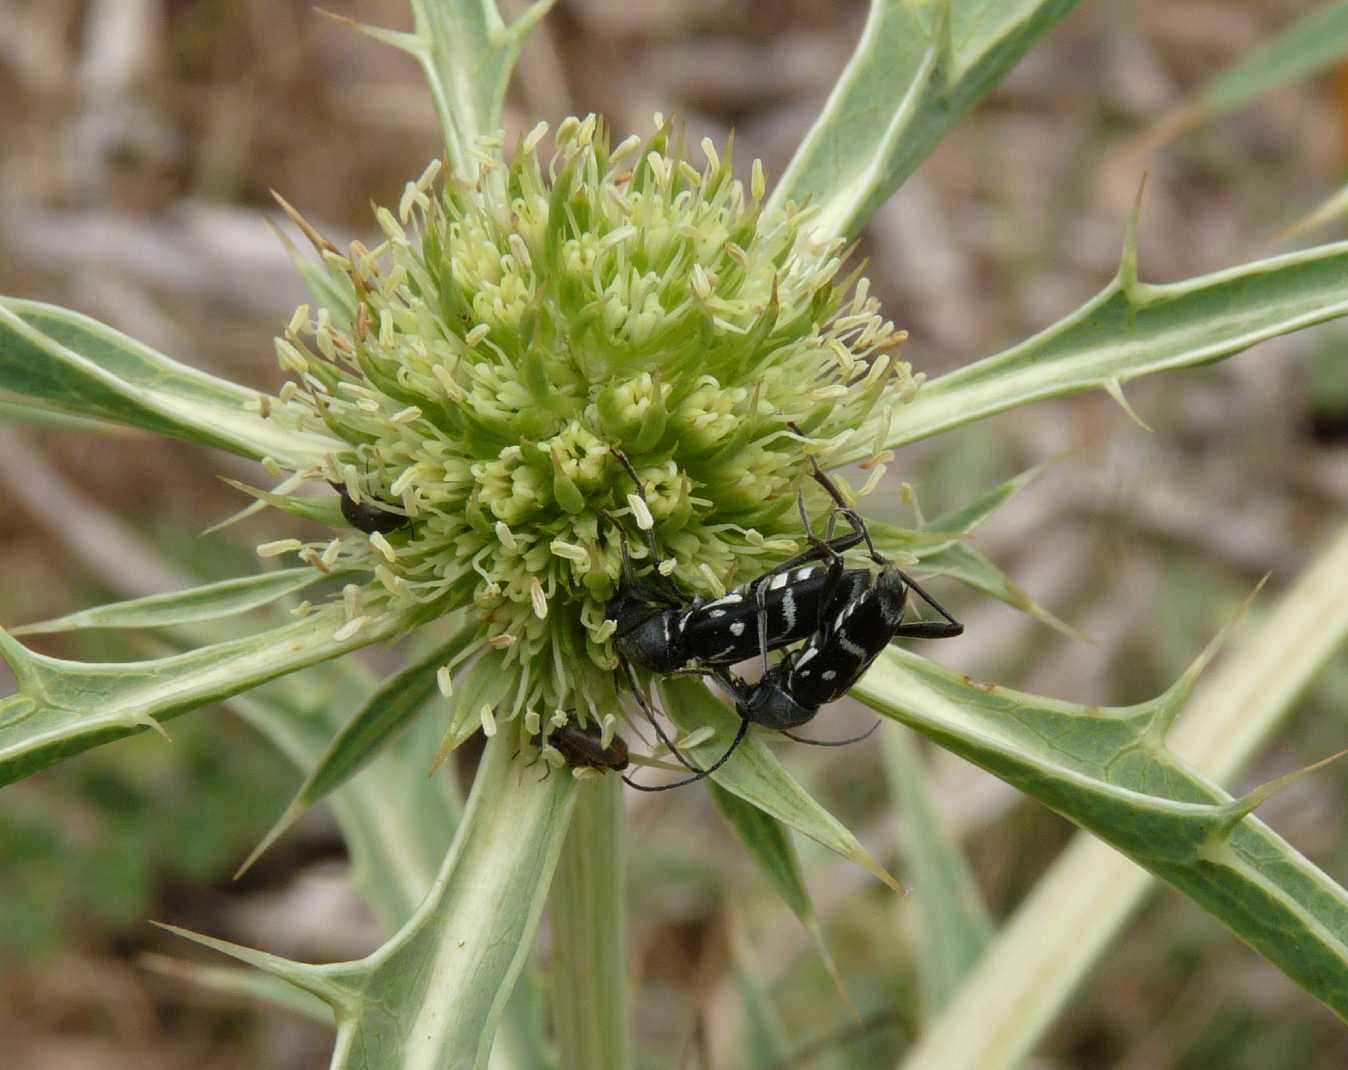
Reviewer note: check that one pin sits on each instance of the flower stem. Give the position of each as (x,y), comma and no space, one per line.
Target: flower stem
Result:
(589,925)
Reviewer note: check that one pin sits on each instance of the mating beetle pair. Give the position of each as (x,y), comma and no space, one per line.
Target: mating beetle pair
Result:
(846,617)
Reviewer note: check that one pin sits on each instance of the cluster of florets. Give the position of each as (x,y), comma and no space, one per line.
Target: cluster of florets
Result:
(515,336)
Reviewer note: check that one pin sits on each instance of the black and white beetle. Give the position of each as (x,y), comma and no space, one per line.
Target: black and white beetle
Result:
(662,631)
(366,516)
(822,669)
(861,613)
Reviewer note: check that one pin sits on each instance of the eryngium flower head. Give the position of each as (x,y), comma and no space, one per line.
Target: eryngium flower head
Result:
(513,337)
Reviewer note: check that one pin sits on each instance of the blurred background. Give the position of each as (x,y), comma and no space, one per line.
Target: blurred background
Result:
(138,142)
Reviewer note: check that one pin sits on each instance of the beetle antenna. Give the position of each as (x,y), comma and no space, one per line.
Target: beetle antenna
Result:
(739,738)
(831,488)
(832,742)
(641,493)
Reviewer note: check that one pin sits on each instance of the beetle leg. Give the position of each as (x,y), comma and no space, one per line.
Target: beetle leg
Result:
(649,714)
(927,629)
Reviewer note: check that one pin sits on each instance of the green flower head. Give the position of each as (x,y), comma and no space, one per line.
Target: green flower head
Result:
(514,340)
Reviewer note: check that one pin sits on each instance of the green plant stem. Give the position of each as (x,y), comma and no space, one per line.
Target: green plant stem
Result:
(1039,959)
(589,925)
(450,971)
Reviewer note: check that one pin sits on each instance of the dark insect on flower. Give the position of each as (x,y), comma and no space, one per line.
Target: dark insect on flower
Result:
(366,516)
(662,631)
(826,666)
(858,614)
(583,745)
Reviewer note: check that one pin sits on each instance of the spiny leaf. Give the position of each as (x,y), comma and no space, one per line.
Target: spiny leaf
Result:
(967,517)
(397,822)
(917,71)
(1084,902)
(1108,770)
(313,980)
(211,601)
(374,724)
(956,559)
(467,54)
(252,984)
(65,707)
(286,485)
(1131,329)
(959,561)
(322,509)
(755,775)
(330,288)
(68,363)
(770,846)
(431,996)
(1330,210)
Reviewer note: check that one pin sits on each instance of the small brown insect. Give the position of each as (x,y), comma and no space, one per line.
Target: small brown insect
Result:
(583,746)
(368,517)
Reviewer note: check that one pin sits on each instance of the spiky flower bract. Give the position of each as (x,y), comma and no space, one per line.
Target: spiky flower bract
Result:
(513,336)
